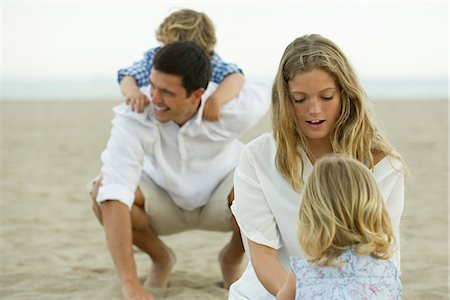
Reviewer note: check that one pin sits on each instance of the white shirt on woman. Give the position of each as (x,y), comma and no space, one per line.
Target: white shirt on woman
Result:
(266,207)
(188,161)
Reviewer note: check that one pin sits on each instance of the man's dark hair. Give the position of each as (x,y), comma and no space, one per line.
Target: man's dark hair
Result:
(187,60)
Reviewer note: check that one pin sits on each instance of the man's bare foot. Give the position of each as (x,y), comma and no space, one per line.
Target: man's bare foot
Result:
(137,292)
(230,265)
(160,270)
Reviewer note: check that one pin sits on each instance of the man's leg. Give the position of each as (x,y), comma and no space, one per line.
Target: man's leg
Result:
(145,239)
(231,255)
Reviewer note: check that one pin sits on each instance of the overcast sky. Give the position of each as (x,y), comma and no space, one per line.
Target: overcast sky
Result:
(65,40)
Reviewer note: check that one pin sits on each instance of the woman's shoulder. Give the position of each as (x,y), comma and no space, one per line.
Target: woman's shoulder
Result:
(387,165)
(261,147)
(265,140)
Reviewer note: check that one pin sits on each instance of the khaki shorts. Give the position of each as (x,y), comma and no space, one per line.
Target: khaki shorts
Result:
(168,218)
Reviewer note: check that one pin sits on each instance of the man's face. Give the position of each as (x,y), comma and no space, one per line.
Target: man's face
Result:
(170,98)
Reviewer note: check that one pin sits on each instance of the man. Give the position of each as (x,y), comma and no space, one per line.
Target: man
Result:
(167,171)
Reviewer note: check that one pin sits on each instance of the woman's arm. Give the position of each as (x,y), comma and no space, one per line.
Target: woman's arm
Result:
(267,267)
(287,292)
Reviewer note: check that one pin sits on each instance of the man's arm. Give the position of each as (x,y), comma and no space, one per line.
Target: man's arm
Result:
(267,267)
(121,170)
(117,225)
(133,96)
(227,90)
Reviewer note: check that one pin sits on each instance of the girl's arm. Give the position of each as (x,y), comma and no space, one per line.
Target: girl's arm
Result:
(287,292)
(267,267)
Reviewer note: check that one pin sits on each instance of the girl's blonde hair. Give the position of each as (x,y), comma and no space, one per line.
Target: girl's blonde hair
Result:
(342,208)
(190,25)
(354,133)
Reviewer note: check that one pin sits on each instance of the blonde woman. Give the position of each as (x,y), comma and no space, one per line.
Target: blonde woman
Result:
(346,234)
(318,107)
(184,25)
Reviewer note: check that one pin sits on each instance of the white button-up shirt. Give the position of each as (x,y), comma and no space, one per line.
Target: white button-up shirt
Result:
(188,161)
(266,207)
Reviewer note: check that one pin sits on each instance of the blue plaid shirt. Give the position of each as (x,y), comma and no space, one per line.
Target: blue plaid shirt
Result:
(140,70)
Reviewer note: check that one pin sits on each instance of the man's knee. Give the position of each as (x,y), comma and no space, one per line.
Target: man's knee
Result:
(94,191)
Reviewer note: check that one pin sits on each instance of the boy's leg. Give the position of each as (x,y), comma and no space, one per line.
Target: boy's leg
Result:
(145,239)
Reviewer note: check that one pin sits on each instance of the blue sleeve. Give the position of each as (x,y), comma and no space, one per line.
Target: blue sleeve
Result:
(139,70)
(221,69)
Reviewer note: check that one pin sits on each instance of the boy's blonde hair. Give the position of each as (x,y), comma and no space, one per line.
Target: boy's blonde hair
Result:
(342,208)
(190,25)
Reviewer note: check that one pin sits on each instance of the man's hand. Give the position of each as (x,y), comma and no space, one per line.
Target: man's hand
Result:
(212,109)
(137,99)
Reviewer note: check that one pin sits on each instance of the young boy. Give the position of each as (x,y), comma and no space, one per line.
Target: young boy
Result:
(185,24)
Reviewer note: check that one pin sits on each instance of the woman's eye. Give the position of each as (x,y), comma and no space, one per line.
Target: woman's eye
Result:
(299,100)
(327,98)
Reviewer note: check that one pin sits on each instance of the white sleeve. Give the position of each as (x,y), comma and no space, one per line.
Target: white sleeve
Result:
(390,180)
(122,161)
(250,207)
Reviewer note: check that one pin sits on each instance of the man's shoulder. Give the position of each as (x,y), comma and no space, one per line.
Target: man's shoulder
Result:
(211,88)
(123,111)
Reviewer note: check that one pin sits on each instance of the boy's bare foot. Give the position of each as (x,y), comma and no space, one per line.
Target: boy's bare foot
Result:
(230,265)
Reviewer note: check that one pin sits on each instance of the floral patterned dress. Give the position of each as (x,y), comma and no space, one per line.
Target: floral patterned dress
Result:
(357,277)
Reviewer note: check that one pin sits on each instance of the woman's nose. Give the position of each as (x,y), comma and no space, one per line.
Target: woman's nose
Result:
(314,106)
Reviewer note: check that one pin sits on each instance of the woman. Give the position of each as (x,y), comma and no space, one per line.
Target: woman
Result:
(319,107)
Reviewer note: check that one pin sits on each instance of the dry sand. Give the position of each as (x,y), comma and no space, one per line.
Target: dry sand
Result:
(53,248)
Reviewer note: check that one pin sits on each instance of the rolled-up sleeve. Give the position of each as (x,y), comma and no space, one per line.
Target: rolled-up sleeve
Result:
(122,162)
(221,69)
(250,207)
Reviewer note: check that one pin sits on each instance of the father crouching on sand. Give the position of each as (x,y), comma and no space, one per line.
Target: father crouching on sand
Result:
(166,170)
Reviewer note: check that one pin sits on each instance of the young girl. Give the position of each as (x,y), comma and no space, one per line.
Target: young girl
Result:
(318,108)
(197,27)
(345,232)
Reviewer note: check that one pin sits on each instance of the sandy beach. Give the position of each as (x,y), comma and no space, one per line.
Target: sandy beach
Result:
(52,247)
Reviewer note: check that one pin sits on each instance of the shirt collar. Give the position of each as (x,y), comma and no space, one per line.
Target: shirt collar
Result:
(198,117)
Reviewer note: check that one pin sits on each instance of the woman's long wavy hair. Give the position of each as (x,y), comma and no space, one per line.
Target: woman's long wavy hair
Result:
(354,133)
(342,208)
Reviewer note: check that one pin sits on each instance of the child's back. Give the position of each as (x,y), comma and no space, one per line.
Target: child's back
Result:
(357,277)
(346,236)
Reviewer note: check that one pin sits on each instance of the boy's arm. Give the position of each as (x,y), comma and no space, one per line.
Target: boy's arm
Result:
(133,96)
(134,77)
(226,91)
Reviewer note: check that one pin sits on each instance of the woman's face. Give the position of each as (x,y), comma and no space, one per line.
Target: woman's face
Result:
(317,104)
